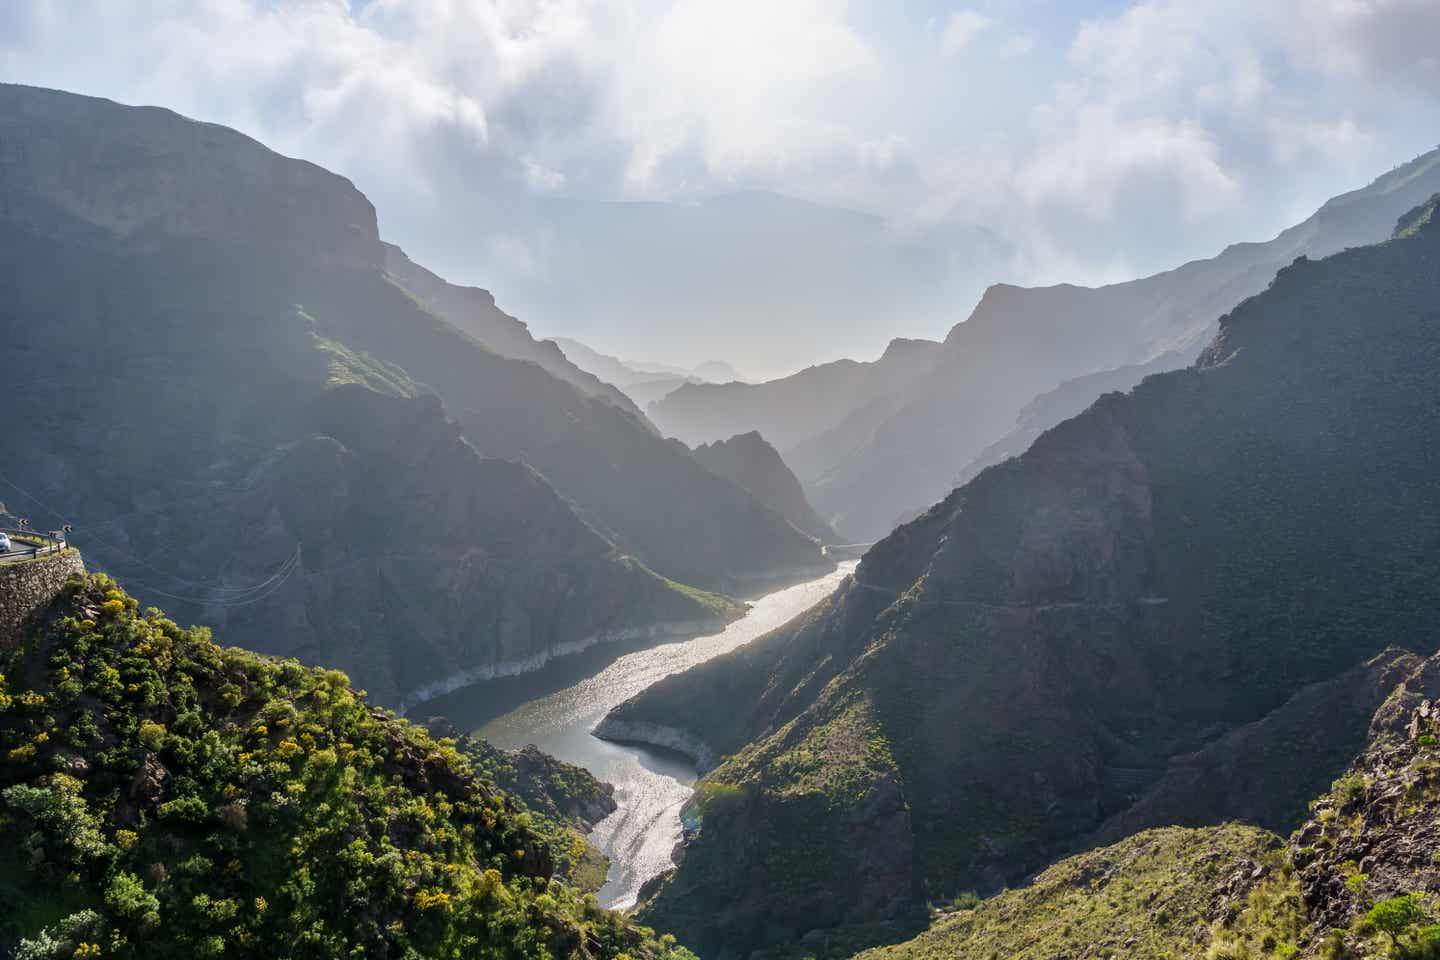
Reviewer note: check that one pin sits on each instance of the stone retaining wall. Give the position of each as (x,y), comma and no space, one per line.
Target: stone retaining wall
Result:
(29,585)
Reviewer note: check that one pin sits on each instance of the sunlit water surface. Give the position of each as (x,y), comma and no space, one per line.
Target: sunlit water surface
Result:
(650,785)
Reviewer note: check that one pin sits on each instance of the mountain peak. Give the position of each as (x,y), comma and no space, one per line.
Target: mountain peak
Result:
(180,179)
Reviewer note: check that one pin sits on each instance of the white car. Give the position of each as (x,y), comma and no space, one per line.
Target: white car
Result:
(5,544)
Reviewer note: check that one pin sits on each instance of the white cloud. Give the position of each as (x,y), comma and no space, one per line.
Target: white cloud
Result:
(746,88)
(1017,46)
(1102,161)
(1158,131)
(1391,41)
(961,28)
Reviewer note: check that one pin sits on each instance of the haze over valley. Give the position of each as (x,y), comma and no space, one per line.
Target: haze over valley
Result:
(694,481)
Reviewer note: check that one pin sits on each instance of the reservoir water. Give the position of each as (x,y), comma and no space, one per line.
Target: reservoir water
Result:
(557,707)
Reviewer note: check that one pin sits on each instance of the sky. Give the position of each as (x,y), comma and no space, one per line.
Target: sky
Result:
(582,158)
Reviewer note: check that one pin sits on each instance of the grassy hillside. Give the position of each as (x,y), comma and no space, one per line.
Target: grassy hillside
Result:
(1358,881)
(1165,894)
(162,796)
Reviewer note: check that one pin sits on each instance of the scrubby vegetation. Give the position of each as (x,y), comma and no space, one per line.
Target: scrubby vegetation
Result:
(559,797)
(1170,893)
(162,796)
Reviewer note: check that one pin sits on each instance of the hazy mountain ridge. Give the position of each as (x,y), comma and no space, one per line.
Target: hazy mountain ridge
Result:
(710,275)
(1065,401)
(794,409)
(642,382)
(1016,665)
(474,311)
(1055,334)
(904,448)
(747,460)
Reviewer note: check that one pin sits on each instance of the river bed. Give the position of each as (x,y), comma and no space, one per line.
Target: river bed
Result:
(556,708)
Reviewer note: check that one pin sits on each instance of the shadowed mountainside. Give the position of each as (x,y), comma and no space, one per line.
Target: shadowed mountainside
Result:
(1018,664)
(872,449)
(473,310)
(748,461)
(1357,880)
(1022,342)
(198,330)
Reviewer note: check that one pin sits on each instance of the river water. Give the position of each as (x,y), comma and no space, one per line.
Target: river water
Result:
(556,708)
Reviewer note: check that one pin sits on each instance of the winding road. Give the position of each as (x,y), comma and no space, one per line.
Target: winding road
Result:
(24,549)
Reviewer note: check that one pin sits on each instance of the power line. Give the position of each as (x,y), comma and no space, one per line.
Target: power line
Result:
(261,592)
(227,596)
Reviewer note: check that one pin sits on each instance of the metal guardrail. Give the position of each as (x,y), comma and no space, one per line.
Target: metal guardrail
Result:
(29,544)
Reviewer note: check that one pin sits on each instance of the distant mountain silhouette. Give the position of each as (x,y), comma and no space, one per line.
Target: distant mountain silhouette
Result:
(720,274)
(749,461)
(643,382)
(877,442)
(808,415)
(1022,342)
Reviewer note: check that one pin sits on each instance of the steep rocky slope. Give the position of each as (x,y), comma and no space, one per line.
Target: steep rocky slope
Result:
(473,310)
(748,461)
(796,408)
(1369,859)
(1002,674)
(1058,405)
(1358,880)
(1268,771)
(1020,343)
(184,365)
(162,796)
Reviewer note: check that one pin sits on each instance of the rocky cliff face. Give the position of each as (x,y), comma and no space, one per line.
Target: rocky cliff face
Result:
(400,521)
(1029,654)
(748,461)
(27,587)
(1374,837)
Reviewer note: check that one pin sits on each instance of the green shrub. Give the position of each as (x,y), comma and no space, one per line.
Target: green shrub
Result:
(185,809)
(128,900)
(1393,917)
(233,850)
